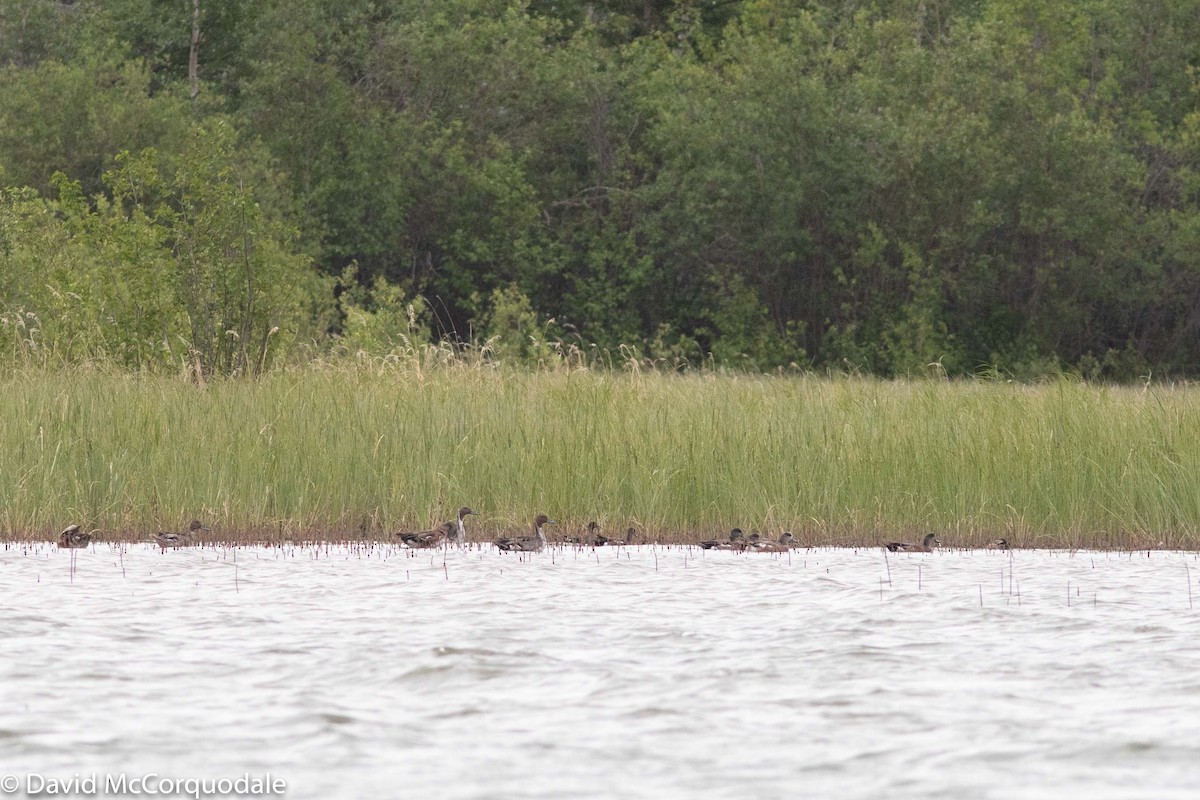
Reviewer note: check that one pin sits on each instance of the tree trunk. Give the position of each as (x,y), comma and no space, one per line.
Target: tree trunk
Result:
(194,56)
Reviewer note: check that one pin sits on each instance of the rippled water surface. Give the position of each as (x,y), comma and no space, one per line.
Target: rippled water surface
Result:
(647,672)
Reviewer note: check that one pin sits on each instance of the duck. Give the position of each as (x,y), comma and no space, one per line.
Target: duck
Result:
(630,535)
(766,546)
(164,539)
(931,541)
(460,534)
(528,544)
(999,544)
(735,542)
(74,538)
(590,538)
(428,539)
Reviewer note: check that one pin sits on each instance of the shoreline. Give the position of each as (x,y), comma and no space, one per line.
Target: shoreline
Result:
(7,541)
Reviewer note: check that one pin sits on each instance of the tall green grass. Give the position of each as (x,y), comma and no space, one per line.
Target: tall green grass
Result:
(347,451)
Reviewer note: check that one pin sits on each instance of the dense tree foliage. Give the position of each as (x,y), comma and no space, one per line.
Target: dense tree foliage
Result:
(875,185)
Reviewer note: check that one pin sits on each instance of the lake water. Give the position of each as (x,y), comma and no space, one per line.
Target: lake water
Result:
(635,673)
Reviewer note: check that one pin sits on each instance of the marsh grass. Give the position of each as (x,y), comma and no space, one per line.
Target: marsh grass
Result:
(355,451)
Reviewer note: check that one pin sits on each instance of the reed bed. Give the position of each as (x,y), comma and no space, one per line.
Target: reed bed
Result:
(355,451)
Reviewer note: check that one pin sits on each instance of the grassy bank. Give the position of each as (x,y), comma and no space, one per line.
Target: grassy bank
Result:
(347,451)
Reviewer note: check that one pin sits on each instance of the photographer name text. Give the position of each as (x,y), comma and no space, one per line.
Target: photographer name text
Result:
(149,784)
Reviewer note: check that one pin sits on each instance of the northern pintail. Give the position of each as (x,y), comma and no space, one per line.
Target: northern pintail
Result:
(735,542)
(460,534)
(766,546)
(73,538)
(999,544)
(530,544)
(589,538)
(165,540)
(630,535)
(427,539)
(931,541)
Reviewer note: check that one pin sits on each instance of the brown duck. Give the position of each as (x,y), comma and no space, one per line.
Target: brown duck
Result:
(165,540)
(528,544)
(735,542)
(766,546)
(931,541)
(428,539)
(73,538)
(592,534)
(630,535)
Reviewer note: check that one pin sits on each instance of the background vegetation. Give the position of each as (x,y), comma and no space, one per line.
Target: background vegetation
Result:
(875,185)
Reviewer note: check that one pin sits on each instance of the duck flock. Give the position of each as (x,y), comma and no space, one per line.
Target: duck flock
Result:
(454,532)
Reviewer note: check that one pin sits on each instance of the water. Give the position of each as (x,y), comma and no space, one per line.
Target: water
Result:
(651,672)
